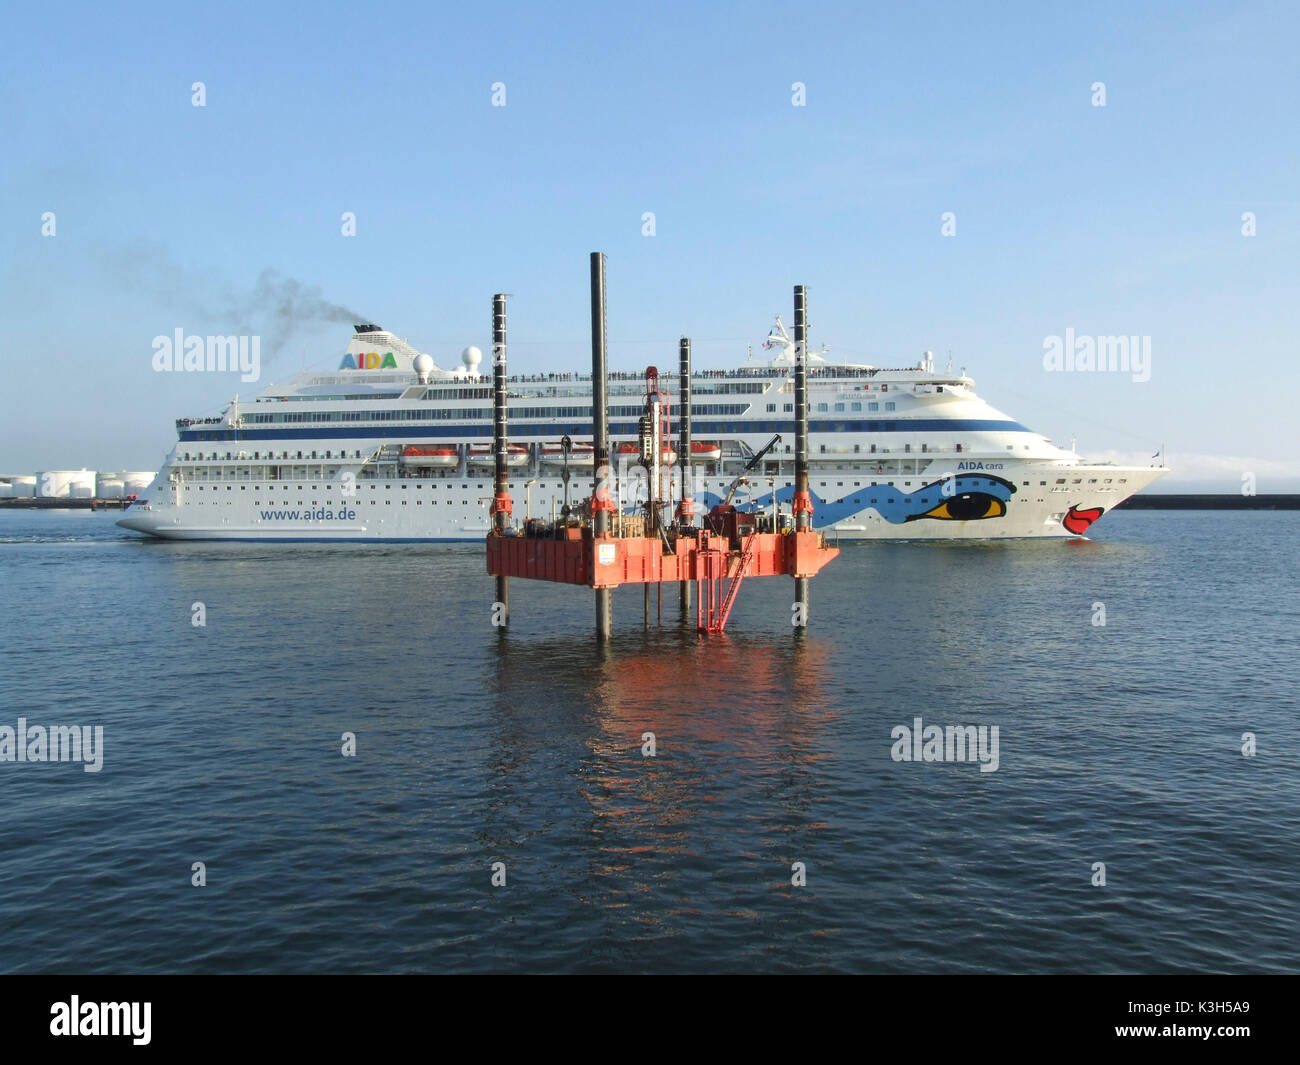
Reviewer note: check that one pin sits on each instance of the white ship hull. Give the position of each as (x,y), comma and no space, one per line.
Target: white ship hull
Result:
(445,509)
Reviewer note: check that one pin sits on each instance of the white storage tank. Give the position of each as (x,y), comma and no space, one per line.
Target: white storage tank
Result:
(108,486)
(136,482)
(65,484)
(22,486)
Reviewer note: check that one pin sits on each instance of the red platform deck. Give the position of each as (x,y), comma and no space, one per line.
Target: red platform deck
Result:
(609,562)
(706,558)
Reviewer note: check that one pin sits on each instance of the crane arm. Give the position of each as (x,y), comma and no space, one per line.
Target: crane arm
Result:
(754,461)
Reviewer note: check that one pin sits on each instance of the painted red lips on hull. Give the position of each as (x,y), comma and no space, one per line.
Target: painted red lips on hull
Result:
(1077,521)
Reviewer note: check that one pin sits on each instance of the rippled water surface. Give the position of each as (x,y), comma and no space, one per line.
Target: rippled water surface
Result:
(222,744)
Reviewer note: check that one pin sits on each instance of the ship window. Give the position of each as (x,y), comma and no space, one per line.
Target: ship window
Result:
(771,408)
(1123,480)
(855,406)
(873,406)
(1042,484)
(821,408)
(1076,481)
(1092,480)
(789,408)
(1025,483)
(890,405)
(1060,480)
(839,408)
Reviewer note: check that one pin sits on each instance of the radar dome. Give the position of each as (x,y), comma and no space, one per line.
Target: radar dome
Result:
(423,367)
(472,357)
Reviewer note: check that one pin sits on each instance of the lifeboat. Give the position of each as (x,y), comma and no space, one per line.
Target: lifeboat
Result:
(482,455)
(580,455)
(634,451)
(430,457)
(703,449)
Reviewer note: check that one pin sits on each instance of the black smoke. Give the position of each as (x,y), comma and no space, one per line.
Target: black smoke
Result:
(276,308)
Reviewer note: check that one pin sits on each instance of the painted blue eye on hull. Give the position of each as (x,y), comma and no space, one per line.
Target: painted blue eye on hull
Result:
(960,498)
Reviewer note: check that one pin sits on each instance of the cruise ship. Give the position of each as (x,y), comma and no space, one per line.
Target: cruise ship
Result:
(392,447)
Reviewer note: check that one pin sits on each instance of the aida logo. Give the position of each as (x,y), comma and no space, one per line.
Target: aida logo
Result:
(368,360)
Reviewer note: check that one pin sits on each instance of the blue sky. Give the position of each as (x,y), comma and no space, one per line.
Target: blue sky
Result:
(1124,219)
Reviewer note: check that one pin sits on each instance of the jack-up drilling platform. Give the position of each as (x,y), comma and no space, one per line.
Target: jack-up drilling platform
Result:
(604,549)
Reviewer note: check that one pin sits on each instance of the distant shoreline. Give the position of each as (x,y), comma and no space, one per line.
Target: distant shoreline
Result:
(35,503)
(1209,501)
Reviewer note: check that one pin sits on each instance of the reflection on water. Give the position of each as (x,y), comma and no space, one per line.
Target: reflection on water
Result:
(736,726)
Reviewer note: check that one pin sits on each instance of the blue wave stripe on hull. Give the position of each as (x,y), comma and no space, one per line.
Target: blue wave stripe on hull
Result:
(894,505)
